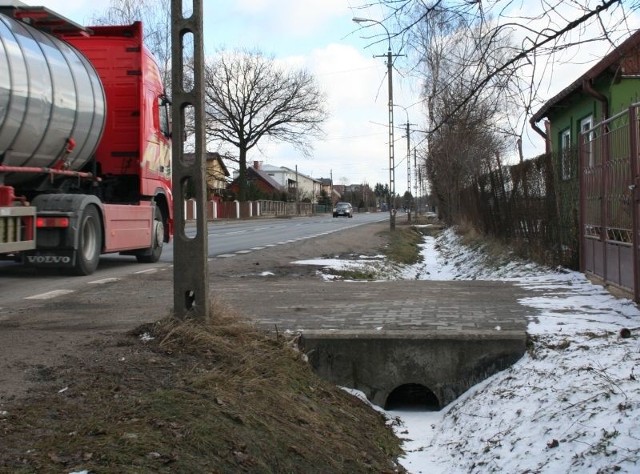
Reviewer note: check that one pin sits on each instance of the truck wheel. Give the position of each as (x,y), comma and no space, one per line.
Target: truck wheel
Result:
(152,254)
(89,242)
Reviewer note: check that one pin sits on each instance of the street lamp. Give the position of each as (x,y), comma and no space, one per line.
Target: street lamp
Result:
(392,172)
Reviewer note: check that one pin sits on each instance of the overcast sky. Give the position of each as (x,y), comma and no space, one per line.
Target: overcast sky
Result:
(320,36)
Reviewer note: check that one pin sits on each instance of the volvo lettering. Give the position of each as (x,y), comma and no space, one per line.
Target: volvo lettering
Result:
(48,259)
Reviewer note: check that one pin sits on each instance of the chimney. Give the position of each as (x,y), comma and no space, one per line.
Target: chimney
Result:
(256,165)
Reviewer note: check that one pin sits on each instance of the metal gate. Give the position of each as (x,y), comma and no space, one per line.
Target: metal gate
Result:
(609,196)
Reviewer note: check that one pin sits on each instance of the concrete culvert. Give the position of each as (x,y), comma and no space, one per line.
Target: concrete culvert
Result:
(412,396)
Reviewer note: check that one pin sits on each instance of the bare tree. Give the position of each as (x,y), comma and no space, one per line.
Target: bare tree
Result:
(460,151)
(485,62)
(543,28)
(467,135)
(155,16)
(250,98)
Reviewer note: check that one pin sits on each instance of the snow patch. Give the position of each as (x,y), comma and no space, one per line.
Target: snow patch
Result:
(570,405)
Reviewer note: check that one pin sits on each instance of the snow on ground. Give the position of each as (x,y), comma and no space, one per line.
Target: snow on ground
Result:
(362,264)
(570,405)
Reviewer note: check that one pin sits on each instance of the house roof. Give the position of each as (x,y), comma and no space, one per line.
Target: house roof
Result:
(262,175)
(610,61)
(265,177)
(281,169)
(215,156)
(299,174)
(211,156)
(270,168)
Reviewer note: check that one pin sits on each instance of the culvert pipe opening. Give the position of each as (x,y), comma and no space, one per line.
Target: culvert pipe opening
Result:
(413,397)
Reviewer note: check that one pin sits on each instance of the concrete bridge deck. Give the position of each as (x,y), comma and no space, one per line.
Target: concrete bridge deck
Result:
(377,337)
(450,306)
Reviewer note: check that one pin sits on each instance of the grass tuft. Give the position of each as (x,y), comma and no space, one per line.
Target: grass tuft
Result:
(403,245)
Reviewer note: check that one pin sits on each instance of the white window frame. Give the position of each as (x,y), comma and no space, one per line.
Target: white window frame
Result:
(586,125)
(565,154)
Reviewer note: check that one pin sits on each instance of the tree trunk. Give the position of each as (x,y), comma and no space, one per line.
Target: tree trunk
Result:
(243,184)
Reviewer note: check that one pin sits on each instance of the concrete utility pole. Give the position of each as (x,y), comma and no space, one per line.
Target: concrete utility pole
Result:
(408,158)
(408,131)
(331,187)
(297,188)
(190,272)
(415,185)
(409,166)
(392,167)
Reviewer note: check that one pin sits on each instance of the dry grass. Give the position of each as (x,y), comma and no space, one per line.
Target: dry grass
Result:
(495,248)
(403,244)
(186,397)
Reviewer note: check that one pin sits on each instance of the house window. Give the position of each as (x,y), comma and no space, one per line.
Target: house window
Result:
(565,153)
(588,139)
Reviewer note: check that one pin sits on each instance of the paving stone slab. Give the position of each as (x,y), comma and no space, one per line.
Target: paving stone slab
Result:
(454,307)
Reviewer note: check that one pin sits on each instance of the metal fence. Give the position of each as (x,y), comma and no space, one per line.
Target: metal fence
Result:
(281,208)
(523,203)
(247,209)
(609,201)
(580,209)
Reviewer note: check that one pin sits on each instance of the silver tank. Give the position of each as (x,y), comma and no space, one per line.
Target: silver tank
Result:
(49,92)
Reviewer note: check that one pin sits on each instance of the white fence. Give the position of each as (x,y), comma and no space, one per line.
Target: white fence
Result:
(249,209)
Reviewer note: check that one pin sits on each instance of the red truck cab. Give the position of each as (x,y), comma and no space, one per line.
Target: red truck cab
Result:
(135,150)
(85,156)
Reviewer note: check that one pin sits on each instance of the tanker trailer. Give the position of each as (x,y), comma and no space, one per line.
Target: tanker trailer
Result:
(84,142)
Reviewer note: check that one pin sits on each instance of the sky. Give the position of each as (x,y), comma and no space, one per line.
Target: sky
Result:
(320,36)
(570,405)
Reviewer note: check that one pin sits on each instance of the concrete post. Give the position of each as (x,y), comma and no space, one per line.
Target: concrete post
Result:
(190,272)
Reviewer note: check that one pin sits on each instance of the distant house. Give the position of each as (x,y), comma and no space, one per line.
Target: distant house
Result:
(261,185)
(297,185)
(326,186)
(359,195)
(216,173)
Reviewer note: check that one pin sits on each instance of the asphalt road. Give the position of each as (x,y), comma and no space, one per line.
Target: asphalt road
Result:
(18,283)
(229,237)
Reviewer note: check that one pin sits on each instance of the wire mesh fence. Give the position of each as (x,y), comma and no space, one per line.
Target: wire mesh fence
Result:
(527,203)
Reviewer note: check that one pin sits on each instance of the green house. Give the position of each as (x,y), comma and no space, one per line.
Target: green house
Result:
(610,86)
(588,136)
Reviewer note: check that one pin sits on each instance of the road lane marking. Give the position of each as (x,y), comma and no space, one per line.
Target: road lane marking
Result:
(282,242)
(148,270)
(49,294)
(103,281)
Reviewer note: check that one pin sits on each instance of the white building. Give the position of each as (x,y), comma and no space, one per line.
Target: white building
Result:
(306,186)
